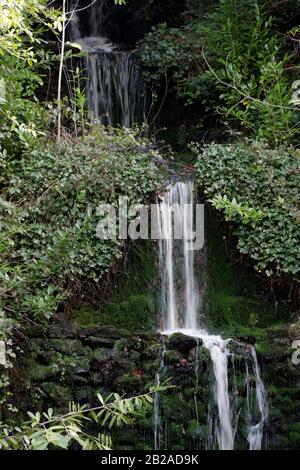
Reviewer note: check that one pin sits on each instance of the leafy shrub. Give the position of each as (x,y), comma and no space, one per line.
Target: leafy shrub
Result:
(176,52)
(232,63)
(24,56)
(49,230)
(48,431)
(258,188)
(249,61)
(48,207)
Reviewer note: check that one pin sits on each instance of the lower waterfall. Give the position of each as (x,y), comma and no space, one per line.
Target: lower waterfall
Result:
(180,307)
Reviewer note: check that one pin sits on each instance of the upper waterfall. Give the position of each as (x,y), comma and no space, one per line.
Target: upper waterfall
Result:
(116,92)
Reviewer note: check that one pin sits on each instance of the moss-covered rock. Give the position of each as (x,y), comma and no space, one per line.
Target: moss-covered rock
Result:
(99,342)
(57,393)
(65,346)
(41,373)
(182,343)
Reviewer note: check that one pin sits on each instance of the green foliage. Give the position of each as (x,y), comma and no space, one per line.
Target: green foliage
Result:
(176,52)
(233,209)
(263,187)
(251,76)
(47,431)
(49,247)
(50,209)
(232,63)
(23,58)
(17,19)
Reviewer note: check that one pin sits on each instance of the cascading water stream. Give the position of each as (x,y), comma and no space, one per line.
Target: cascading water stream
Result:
(255,432)
(116,95)
(176,261)
(116,92)
(115,88)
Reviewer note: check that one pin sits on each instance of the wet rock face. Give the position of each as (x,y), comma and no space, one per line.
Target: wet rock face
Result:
(182,343)
(64,363)
(82,361)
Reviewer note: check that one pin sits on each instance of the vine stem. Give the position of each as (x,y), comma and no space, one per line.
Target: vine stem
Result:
(61,65)
(242,93)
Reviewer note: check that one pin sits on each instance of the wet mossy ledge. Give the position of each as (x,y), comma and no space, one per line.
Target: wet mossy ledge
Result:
(131,300)
(65,363)
(235,298)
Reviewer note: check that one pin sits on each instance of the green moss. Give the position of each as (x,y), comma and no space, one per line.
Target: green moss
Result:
(234,298)
(129,383)
(40,373)
(132,302)
(137,312)
(61,395)
(294,438)
(85,316)
(65,346)
(295,427)
(172,357)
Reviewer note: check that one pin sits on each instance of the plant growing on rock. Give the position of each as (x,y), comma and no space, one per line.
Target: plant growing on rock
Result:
(232,64)
(258,190)
(49,245)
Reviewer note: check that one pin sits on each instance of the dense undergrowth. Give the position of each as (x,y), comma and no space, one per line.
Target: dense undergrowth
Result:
(233,62)
(257,188)
(237,62)
(50,250)
(50,191)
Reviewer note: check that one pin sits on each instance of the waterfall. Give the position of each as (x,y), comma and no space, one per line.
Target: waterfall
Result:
(116,95)
(116,92)
(180,306)
(115,89)
(255,432)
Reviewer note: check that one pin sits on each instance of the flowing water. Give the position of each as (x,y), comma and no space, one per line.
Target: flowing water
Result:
(116,95)
(180,308)
(116,92)
(255,432)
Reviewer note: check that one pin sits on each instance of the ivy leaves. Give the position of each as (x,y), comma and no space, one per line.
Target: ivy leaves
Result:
(258,189)
(234,210)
